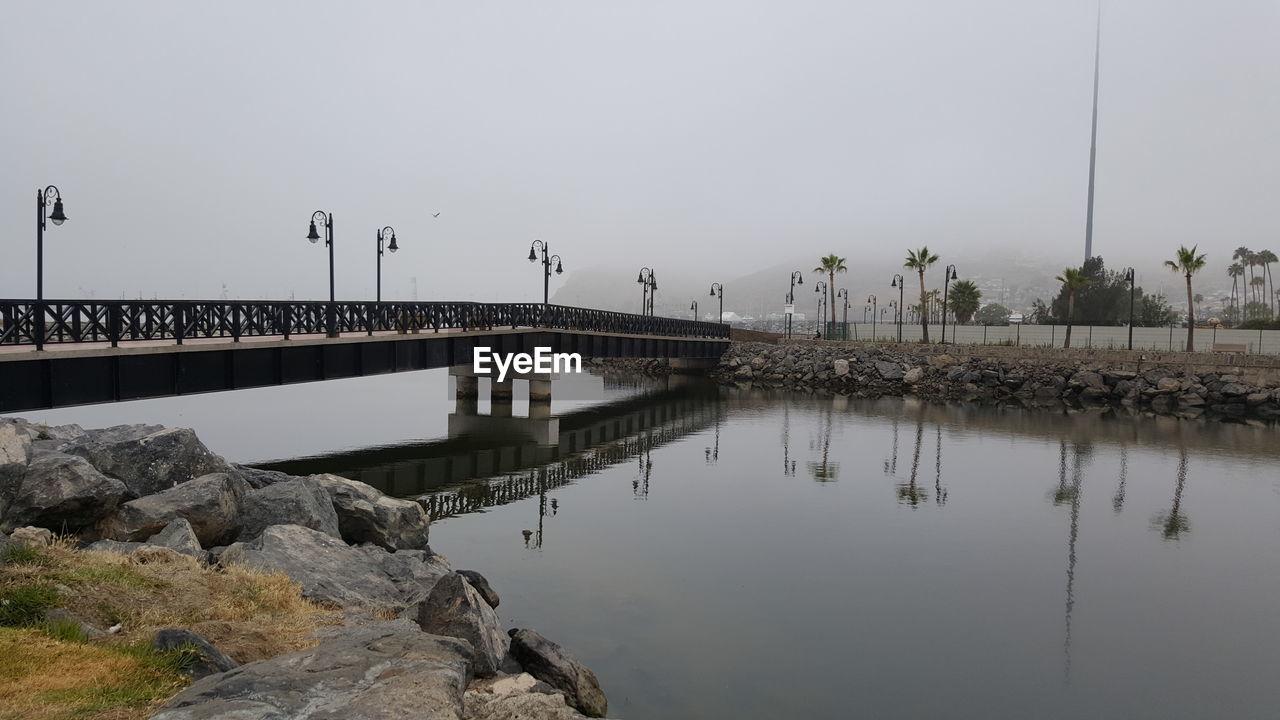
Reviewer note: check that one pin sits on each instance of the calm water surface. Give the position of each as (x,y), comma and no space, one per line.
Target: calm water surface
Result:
(715,553)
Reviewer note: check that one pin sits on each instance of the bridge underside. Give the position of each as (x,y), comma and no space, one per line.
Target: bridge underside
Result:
(34,381)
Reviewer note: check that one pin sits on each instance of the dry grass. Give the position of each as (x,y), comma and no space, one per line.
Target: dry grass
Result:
(44,673)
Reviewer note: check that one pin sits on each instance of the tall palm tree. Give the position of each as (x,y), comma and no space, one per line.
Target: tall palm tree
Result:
(1248,259)
(1265,258)
(1188,263)
(1235,271)
(965,300)
(1072,279)
(831,264)
(920,260)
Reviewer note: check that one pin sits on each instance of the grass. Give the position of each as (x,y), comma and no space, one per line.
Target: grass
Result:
(52,670)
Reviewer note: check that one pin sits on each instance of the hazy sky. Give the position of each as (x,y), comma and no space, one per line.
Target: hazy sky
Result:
(193,141)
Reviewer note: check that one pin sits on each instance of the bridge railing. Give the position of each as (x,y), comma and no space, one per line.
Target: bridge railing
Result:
(57,322)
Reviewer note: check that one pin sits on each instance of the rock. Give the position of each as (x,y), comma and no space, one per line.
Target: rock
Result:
(481,585)
(516,697)
(178,535)
(913,376)
(257,478)
(1190,400)
(63,491)
(290,502)
(15,454)
(1257,398)
(1234,389)
(210,503)
(382,671)
(207,658)
(365,515)
(61,615)
(32,537)
(549,663)
(454,609)
(1168,385)
(147,458)
(331,571)
(115,546)
(888,370)
(758,363)
(1082,380)
(743,372)
(942,362)
(840,367)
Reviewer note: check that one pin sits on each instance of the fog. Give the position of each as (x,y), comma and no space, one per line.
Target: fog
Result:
(191,142)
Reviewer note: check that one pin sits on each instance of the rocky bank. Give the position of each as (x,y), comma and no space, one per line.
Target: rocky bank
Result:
(419,639)
(1045,380)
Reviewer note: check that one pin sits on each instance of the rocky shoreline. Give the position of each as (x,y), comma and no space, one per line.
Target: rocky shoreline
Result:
(1050,380)
(417,638)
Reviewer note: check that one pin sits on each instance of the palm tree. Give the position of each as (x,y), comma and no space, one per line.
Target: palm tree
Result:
(1265,258)
(920,260)
(965,300)
(1242,255)
(1188,263)
(831,265)
(1072,279)
(1235,271)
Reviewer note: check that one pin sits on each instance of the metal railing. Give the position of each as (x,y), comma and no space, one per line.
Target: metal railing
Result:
(55,322)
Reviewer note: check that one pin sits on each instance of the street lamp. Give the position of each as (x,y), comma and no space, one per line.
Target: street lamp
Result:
(717,290)
(899,283)
(1129,275)
(694,308)
(947,277)
(844,331)
(796,279)
(873,300)
(821,289)
(648,285)
(387,235)
(314,237)
(546,266)
(50,196)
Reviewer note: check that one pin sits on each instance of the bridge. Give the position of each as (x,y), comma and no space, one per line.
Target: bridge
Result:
(58,353)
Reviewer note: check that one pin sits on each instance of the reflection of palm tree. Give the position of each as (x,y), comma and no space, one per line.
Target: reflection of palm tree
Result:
(1070,494)
(788,465)
(908,492)
(939,494)
(1173,523)
(1117,502)
(891,466)
(825,470)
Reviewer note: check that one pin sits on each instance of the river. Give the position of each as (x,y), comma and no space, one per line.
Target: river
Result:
(718,553)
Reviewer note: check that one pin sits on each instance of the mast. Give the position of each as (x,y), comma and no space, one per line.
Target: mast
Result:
(1093,139)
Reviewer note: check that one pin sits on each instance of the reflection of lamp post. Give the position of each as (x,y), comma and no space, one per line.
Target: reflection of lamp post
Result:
(331,314)
(1129,275)
(387,235)
(694,308)
(900,284)
(872,299)
(546,266)
(821,289)
(947,277)
(844,331)
(44,198)
(717,290)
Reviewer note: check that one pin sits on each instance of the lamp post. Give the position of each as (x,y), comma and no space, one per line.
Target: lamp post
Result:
(717,290)
(843,293)
(947,277)
(1130,276)
(694,308)
(820,288)
(50,196)
(648,284)
(327,219)
(547,257)
(385,235)
(796,279)
(873,300)
(901,285)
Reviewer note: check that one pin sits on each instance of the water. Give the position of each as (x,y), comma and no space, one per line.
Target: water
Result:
(716,553)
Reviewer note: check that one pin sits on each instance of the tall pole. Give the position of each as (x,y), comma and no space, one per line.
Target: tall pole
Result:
(329,241)
(718,289)
(1093,138)
(947,277)
(1131,279)
(547,259)
(39,327)
(873,300)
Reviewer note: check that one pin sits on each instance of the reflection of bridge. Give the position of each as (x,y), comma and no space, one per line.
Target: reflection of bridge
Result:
(111,351)
(479,469)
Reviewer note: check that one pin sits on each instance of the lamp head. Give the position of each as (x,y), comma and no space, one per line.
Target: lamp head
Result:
(712,293)
(640,277)
(532,255)
(312,235)
(559,267)
(392,245)
(57,217)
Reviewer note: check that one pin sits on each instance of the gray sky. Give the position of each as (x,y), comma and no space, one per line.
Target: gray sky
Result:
(193,141)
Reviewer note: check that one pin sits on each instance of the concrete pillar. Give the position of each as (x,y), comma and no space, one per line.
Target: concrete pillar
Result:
(501,391)
(468,386)
(539,390)
(539,409)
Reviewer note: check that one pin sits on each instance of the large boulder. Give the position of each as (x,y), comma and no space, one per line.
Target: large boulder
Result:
(481,584)
(205,658)
(889,370)
(290,502)
(15,455)
(365,515)
(454,609)
(210,503)
(330,571)
(259,478)
(516,697)
(62,491)
(549,663)
(180,536)
(374,672)
(147,458)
